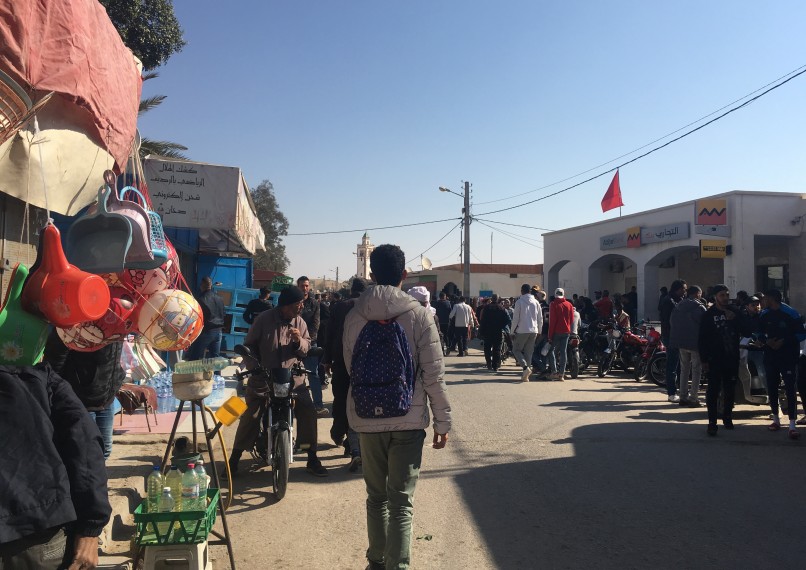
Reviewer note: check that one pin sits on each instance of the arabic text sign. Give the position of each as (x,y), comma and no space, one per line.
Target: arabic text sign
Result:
(193,194)
(668,232)
(713,248)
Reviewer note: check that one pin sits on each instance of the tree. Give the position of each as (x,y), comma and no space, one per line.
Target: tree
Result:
(149,146)
(148,27)
(275,225)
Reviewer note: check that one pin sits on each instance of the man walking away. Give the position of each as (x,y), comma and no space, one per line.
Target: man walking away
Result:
(561,318)
(720,332)
(667,305)
(684,337)
(209,340)
(783,331)
(391,443)
(526,324)
(463,318)
(443,307)
(494,320)
(257,306)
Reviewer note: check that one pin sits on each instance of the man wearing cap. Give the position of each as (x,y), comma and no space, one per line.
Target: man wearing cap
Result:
(561,317)
(279,338)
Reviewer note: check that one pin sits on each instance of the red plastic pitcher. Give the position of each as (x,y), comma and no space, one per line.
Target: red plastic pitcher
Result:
(61,292)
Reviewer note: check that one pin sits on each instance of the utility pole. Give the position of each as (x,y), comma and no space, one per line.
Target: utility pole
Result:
(466,212)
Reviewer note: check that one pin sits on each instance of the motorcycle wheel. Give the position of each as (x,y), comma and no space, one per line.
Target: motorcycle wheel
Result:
(574,365)
(605,365)
(584,360)
(280,464)
(640,370)
(657,371)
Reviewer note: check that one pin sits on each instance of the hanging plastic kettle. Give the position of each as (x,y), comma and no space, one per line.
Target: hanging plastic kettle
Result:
(22,335)
(61,292)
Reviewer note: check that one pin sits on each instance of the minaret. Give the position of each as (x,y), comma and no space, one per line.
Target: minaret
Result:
(362,256)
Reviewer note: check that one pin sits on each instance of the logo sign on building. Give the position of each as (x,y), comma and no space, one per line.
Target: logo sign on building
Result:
(711,212)
(668,232)
(713,248)
(634,237)
(613,241)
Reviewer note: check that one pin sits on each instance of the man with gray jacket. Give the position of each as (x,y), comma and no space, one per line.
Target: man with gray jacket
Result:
(684,336)
(392,448)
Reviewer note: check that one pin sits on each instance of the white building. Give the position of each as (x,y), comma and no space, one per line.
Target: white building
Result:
(504,279)
(749,241)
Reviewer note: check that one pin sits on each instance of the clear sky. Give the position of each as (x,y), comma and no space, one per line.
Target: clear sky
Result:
(357,111)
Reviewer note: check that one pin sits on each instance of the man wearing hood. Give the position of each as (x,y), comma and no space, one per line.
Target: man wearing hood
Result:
(392,447)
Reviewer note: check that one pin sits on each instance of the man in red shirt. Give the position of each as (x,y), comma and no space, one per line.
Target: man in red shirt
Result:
(561,316)
(604,305)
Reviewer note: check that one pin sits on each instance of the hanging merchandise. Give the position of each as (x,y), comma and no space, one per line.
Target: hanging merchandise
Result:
(114,325)
(22,335)
(61,292)
(149,363)
(84,337)
(145,282)
(170,319)
(99,242)
(156,233)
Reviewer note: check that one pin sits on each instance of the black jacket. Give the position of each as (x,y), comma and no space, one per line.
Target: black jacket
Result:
(719,337)
(494,319)
(212,306)
(310,314)
(52,470)
(95,377)
(255,307)
(443,307)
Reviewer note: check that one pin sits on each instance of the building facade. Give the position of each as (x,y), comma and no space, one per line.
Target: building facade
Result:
(504,279)
(749,241)
(362,252)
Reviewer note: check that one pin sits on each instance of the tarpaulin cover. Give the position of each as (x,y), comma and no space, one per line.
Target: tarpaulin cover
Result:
(72,48)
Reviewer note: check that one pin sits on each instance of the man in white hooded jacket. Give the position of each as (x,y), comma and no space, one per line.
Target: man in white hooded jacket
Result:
(392,448)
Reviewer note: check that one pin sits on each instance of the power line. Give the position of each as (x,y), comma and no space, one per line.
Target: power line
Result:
(643,146)
(515,225)
(434,245)
(373,229)
(507,234)
(657,148)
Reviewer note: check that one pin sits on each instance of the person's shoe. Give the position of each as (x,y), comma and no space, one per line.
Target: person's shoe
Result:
(525,374)
(712,429)
(233,467)
(347,451)
(355,464)
(728,423)
(674,398)
(559,377)
(461,354)
(322,412)
(337,440)
(495,369)
(794,434)
(774,426)
(694,403)
(375,565)
(315,467)
(801,421)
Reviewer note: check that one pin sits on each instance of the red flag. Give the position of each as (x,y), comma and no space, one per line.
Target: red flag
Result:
(612,198)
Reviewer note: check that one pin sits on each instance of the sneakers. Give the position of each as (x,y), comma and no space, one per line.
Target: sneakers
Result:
(375,565)
(728,423)
(712,429)
(526,373)
(322,412)
(774,426)
(689,403)
(355,464)
(794,434)
(674,398)
(315,467)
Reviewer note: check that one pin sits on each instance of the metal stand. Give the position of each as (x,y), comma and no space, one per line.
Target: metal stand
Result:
(208,434)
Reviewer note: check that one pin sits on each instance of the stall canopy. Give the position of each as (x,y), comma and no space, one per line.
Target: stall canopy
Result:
(88,125)
(213,199)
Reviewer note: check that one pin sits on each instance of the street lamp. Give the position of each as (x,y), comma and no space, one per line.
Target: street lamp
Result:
(466,222)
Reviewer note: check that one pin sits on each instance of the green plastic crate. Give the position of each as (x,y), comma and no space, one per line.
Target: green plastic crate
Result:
(184,527)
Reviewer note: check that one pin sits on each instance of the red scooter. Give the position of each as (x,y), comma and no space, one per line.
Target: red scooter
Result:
(652,362)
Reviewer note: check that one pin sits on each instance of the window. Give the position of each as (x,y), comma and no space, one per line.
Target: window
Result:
(513,275)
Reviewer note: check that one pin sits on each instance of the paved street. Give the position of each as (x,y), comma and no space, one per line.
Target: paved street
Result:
(588,473)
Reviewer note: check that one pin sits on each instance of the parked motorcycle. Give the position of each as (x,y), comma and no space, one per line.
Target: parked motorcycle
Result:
(592,343)
(653,346)
(273,444)
(573,355)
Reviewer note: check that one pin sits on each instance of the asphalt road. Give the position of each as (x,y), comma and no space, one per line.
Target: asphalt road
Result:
(587,473)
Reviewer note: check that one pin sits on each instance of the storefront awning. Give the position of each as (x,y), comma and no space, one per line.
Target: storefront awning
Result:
(213,199)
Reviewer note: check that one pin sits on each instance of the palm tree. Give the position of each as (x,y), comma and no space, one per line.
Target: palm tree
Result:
(149,146)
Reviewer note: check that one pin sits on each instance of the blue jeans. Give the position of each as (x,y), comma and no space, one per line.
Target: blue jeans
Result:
(209,342)
(391,463)
(672,363)
(559,349)
(104,420)
(312,363)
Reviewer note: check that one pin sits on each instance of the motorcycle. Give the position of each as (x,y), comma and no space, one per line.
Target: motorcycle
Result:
(592,343)
(623,351)
(611,353)
(647,364)
(573,355)
(273,444)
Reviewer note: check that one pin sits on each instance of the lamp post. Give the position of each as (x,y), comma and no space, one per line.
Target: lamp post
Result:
(466,223)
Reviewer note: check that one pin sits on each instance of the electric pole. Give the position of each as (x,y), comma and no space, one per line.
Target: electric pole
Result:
(466,212)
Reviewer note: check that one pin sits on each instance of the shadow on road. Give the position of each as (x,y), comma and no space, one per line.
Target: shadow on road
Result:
(644,495)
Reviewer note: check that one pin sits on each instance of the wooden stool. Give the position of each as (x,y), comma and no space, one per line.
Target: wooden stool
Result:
(178,557)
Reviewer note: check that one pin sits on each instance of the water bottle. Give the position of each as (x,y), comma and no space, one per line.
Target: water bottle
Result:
(154,486)
(203,483)
(190,489)
(174,481)
(194,366)
(167,505)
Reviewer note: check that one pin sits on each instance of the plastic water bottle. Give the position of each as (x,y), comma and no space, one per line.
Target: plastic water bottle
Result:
(190,489)
(201,474)
(174,481)
(194,366)
(154,487)
(167,505)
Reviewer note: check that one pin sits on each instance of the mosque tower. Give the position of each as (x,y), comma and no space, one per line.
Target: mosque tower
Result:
(362,256)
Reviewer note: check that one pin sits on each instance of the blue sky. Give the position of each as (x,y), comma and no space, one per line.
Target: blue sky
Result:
(358,111)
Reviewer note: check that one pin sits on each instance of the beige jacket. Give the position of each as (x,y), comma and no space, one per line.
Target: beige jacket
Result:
(383,302)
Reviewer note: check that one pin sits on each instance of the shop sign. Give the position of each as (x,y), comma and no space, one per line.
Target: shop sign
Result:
(668,232)
(613,241)
(713,248)
(721,231)
(634,237)
(711,212)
